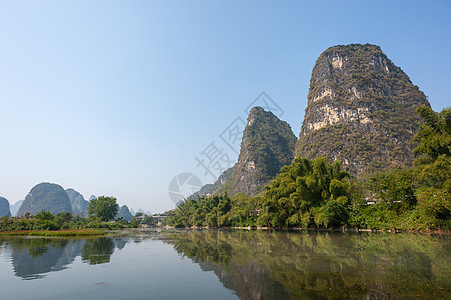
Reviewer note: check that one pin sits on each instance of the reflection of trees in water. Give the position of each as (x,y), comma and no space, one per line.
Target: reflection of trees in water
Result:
(97,251)
(321,264)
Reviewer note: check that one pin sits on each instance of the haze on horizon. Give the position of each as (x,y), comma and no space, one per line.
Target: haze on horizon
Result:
(118,98)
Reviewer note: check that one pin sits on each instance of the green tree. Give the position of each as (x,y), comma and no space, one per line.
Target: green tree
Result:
(433,168)
(301,192)
(433,163)
(103,208)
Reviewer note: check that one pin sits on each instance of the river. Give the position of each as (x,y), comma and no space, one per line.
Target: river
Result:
(227,264)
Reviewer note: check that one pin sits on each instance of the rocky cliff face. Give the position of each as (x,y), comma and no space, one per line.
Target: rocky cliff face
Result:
(361,109)
(267,145)
(45,196)
(78,203)
(4,207)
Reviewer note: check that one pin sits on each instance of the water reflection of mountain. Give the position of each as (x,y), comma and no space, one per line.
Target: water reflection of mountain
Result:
(265,265)
(249,281)
(33,257)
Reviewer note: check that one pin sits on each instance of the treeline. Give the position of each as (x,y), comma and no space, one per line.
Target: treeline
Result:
(102,213)
(45,220)
(317,193)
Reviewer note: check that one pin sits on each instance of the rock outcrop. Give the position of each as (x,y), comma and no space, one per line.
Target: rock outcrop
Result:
(45,196)
(361,110)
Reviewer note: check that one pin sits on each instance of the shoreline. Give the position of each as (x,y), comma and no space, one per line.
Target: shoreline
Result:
(344,230)
(55,233)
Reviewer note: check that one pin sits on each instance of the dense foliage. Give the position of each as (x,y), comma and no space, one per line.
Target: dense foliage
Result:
(45,220)
(419,197)
(317,193)
(103,208)
(305,193)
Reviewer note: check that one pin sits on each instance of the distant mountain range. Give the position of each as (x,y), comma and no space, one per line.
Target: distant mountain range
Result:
(53,198)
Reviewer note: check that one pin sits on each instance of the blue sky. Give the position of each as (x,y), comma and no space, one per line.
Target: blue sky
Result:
(119,97)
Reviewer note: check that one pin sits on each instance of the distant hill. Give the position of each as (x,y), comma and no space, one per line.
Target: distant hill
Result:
(144,212)
(15,207)
(361,110)
(4,207)
(219,186)
(124,213)
(46,196)
(78,203)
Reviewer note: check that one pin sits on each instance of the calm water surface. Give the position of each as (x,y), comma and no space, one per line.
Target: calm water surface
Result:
(209,264)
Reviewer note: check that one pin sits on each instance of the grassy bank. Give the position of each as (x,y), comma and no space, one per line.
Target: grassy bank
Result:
(65,232)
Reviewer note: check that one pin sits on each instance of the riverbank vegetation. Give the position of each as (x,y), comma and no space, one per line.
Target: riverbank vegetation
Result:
(317,193)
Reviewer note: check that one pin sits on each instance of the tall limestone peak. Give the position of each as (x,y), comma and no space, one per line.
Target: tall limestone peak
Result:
(361,109)
(124,213)
(45,196)
(267,145)
(78,203)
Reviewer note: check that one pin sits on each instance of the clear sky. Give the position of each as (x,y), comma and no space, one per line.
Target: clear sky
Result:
(119,97)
